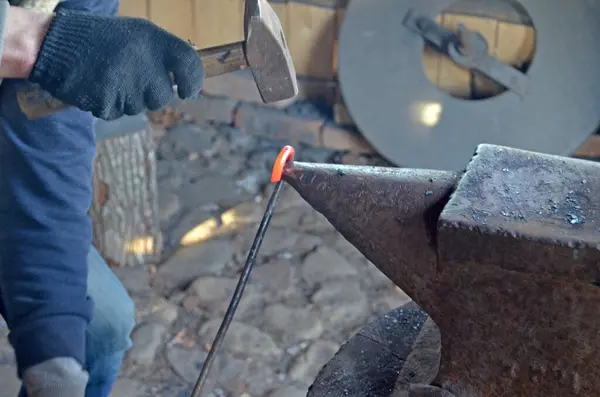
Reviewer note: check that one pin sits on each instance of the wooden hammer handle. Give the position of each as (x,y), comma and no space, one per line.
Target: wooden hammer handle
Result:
(223,59)
(217,60)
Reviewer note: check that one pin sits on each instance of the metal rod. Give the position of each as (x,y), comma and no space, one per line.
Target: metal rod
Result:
(239,290)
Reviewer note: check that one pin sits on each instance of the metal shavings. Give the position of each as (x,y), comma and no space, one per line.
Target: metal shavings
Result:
(512,214)
(574,219)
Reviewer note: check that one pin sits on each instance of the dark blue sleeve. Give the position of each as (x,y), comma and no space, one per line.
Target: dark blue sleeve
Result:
(100,7)
(45,231)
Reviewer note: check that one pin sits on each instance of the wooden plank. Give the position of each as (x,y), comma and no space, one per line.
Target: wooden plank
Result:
(133,8)
(281,9)
(282,13)
(310,39)
(482,87)
(343,139)
(319,3)
(341,115)
(515,45)
(317,90)
(431,61)
(339,19)
(501,11)
(451,77)
(175,16)
(218,22)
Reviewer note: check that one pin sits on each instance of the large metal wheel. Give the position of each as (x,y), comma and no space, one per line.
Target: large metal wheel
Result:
(386,90)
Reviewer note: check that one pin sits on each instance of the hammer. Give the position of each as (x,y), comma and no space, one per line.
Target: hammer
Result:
(264,50)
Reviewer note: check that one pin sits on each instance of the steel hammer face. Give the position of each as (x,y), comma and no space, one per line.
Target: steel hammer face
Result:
(267,53)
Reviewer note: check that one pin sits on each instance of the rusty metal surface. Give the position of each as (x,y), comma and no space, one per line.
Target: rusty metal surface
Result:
(504,258)
(527,212)
(389,214)
(369,363)
(518,258)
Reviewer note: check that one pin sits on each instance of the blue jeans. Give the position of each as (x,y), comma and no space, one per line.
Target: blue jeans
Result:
(107,338)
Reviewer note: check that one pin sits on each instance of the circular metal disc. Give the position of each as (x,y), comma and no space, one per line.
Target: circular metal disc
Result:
(387,93)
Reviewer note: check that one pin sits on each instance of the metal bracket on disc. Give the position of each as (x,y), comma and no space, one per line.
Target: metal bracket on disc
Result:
(468,49)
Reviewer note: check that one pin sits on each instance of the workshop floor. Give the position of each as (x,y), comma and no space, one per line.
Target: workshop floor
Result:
(308,293)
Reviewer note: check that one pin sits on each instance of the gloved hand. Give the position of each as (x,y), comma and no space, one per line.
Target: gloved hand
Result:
(114,66)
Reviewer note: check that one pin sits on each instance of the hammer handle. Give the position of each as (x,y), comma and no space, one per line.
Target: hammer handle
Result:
(223,59)
(217,60)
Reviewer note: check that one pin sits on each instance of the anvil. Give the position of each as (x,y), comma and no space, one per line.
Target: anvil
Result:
(503,257)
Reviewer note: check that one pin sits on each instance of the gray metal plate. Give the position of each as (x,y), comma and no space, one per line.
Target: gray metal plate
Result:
(385,88)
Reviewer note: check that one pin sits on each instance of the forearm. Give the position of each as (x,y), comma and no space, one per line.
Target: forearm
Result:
(24,32)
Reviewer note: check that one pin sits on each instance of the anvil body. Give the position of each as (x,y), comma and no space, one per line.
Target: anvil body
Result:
(504,257)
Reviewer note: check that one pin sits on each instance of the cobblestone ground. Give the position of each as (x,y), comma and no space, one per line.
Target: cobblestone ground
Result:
(309,291)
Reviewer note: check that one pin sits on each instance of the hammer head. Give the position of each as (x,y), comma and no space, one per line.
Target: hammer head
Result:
(267,53)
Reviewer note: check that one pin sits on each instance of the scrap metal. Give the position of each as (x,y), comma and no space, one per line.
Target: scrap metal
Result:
(504,257)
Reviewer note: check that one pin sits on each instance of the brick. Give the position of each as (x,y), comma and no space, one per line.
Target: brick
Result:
(209,108)
(339,138)
(310,89)
(271,123)
(341,116)
(238,85)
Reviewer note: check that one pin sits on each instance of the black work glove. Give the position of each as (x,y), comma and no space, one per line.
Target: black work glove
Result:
(114,66)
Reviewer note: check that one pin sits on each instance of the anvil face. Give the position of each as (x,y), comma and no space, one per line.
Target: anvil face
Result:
(504,258)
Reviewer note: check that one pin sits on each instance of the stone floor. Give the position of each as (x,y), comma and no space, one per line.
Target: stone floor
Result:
(310,289)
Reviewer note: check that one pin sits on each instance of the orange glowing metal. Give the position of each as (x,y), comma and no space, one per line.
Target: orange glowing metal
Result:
(286,155)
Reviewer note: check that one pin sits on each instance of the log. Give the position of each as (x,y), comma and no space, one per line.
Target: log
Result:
(124,210)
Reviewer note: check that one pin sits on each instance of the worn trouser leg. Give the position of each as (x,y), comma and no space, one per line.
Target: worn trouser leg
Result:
(108,333)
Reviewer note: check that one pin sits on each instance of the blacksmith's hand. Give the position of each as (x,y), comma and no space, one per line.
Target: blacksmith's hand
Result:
(114,66)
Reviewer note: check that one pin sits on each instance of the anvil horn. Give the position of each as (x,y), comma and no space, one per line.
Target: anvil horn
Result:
(389,214)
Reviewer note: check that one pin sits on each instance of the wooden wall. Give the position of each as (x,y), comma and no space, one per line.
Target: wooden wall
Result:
(311,29)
